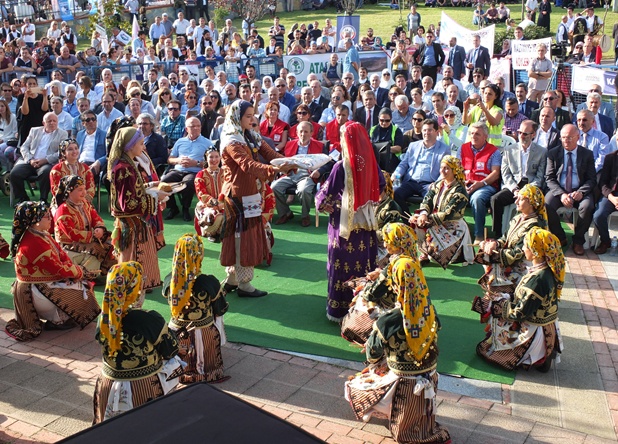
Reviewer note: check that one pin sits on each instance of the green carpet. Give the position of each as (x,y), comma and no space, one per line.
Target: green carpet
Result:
(292,317)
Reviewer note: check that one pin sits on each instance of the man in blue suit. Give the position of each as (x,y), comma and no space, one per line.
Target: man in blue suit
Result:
(457,59)
(91,142)
(478,57)
(525,106)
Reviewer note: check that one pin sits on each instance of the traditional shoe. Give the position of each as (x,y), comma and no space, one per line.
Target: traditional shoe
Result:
(228,288)
(564,242)
(186,215)
(67,325)
(285,218)
(602,248)
(172,213)
(305,221)
(251,294)
(578,249)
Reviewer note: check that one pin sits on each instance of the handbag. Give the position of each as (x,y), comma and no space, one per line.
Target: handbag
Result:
(386,159)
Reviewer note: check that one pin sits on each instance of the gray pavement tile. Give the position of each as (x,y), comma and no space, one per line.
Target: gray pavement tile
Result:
(19,371)
(377,426)
(43,412)
(582,379)
(16,398)
(77,393)
(255,366)
(543,415)
(590,439)
(332,408)
(231,356)
(505,426)
(543,431)
(74,421)
(550,440)
(458,434)
(5,360)
(270,391)
(48,382)
(535,393)
(292,374)
(238,383)
(592,421)
(327,383)
(453,415)
(481,438)
(471,387)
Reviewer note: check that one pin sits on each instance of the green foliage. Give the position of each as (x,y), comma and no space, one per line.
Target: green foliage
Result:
(530,33)
(220,15)
(110,17)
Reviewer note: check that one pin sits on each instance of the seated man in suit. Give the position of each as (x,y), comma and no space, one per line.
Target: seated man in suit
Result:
(420,165)
(547,136)
(571,179)
(550,98)
(605,107)
(155,144)
(381,93)
(39,153)
(608,183)
(593,139)
(367,115)
(303,180)
(516,174)
(481,162)
(600,122)
(91,142)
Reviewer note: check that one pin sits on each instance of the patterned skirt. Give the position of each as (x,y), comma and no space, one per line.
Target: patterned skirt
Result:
(201,350)
(511,344)
(409,407)
(447,242)
(74,301)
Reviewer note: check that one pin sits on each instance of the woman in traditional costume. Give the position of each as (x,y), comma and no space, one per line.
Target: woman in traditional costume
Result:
(401,381)
(49,286)
(350,195)
(244,242)
(140,361)
(504,259)
(133,237)
(197,306)
(68,153)
(439,223)
(79,229)
(523,331)
(208,186)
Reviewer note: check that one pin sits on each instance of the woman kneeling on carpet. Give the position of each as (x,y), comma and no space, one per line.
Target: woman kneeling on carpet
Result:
(49,286)
(401,382)
(79,228)
(140,361)
(524,330)
(197,306)
(504,259)
(439,222)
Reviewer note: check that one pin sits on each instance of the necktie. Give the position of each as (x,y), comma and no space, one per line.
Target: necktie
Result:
(568,181)
(368,122)
(451,55)
(584,140)
(474,56)
(522,107)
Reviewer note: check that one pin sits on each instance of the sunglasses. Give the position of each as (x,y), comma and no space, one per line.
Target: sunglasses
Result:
(7,90)
(173,109)
(336,97)
(302,113)
(214,97)
(89,119)
(206,103)
(416,119)
(135,95)
(545,99)
(448,116)
(385,120)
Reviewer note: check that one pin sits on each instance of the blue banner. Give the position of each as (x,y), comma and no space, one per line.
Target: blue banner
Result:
(66,11)
(348,24)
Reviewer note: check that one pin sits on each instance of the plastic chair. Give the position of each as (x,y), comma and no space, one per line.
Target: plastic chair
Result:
(595,238)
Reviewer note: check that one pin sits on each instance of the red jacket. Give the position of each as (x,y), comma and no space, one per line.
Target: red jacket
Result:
(333,134)
(291,148)
(476,165)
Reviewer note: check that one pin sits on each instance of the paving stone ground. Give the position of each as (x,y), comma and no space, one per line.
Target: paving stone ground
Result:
(46,385)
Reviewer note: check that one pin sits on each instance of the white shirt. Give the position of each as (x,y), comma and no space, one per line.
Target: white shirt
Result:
(65,121)
(542,137)
(87,149)
(41,151)
(181,26)
(524,160)
(25,37)
(55,33)
(590,22)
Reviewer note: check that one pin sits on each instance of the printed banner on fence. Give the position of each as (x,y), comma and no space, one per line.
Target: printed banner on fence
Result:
(303,65)
(103,37)
(65,7)
(501,68)
(583,77)
(523,52)
(348,24)
(450,28)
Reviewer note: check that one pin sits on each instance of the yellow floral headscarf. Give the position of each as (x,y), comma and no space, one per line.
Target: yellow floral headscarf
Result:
(123,287)
(186,266)
(401,236)
(542,243)
(455,164)
(419,315)
(536,198)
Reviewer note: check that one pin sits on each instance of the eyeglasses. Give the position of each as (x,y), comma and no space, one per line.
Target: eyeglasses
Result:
(392,94)
(173,109)
(214,97)
(192,97)
(416,119)
(336,97)
(595,91)
(280,86)
(7,90)
(89,119)
(523,133)
(568,137)
(135,95)
(448,116)
(206,103)
(385,120)
(545,99)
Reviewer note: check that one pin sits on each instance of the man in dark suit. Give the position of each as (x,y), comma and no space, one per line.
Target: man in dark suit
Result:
(367,115)
(151,85)
(525,106)
(381,93)
(571,179)
(318,98)
(457,59)
(547,136)
(430,56)
(478,57)
(306,98)
(550,98)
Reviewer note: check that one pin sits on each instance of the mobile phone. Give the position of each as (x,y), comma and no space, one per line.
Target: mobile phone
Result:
(473,101)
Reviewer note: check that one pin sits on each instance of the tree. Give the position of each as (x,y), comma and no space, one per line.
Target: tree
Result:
(110,17)
(249,10)
(350,6)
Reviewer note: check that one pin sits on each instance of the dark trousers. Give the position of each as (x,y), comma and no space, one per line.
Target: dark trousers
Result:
(431,71)
(499,201)
(585,209)
(407,189)
(20,172)
(204,12)
(186,195)
(600,218)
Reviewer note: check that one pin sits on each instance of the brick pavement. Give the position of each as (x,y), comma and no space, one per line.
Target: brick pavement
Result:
(46,385)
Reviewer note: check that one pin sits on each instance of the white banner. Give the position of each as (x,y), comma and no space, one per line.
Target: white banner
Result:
(583,77)
(501,68)
(523,52)
(303,65)
(450,28)
(103,38)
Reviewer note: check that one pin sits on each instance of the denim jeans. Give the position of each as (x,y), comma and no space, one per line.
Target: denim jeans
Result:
(479,201)
(603,211)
